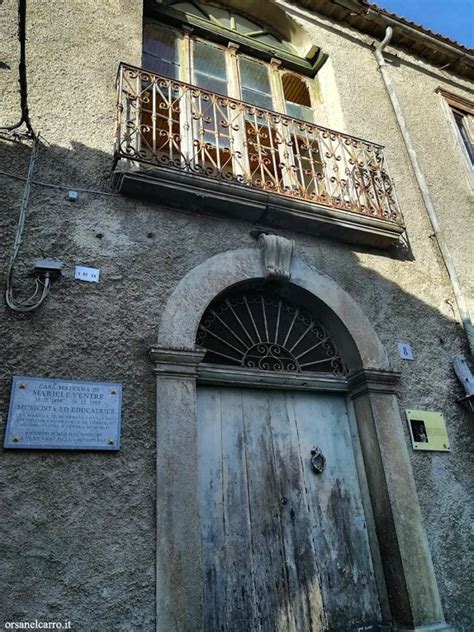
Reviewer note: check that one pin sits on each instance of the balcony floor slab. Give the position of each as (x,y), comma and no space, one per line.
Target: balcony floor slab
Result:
(203,195)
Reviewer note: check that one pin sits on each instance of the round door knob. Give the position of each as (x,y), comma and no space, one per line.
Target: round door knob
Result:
(318,460)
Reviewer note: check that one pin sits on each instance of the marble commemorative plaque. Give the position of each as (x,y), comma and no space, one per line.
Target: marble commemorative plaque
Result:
(50,414)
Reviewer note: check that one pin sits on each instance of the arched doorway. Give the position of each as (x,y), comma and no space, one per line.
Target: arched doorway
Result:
(412,599)
(285,543)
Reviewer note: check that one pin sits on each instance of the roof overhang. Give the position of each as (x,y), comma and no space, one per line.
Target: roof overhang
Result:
(368,18)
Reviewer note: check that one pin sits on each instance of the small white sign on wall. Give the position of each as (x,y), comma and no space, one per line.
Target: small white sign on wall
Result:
(405,351)
(87,274)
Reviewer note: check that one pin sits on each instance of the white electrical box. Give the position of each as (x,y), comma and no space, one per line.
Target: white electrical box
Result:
(87,274)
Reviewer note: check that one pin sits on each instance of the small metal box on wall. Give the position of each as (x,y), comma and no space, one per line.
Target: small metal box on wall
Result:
(428,430)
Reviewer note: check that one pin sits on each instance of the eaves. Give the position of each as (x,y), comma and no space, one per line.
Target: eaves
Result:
(372,20)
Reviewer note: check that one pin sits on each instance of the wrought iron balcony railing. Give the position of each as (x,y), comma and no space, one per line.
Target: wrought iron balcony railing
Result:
(167,123)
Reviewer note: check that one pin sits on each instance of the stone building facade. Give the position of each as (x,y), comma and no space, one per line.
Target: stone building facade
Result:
(188,202)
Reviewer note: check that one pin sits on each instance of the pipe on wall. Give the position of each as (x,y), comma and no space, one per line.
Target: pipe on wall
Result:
(434,41)
(420,178)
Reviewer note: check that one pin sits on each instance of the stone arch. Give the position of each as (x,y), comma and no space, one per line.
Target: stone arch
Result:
(413,600)
(193,294)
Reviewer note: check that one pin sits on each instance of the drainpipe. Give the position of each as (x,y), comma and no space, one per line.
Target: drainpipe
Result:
(420,178)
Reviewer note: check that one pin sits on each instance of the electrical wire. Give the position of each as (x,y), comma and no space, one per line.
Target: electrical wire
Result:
(28,301)
(29,304)
(22,80)
(62,187)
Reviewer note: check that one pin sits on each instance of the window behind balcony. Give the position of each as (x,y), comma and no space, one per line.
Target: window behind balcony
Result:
(160,51)
(297,97)
(217,136)
(255,87)
(209,66)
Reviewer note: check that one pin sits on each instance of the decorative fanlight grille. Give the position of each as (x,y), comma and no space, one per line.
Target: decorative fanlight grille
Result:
(255,330)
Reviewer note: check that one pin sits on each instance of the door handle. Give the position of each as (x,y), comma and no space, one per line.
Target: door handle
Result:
(318,460)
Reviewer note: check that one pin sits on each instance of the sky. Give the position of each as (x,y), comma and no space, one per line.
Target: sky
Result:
(453,18)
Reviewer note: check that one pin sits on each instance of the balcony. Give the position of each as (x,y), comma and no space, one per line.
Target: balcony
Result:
(213,154)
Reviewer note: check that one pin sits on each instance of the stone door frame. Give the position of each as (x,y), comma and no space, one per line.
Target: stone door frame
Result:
(406,560)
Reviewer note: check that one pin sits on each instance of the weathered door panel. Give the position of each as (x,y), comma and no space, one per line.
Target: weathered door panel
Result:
(276,534)
(341,540)
(304,594)
(268,553)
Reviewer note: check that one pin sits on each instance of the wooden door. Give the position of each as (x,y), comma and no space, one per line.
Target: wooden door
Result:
(285,549)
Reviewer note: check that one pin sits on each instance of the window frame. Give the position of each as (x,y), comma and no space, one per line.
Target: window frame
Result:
(211,31)
(178,34)
(278,153)
(454,104)
(185,39)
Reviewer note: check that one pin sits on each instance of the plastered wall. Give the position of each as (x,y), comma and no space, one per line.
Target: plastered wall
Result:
(78,529)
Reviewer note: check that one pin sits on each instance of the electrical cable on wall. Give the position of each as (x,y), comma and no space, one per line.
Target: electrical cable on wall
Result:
(25,117)
(32,302)
(62,187)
